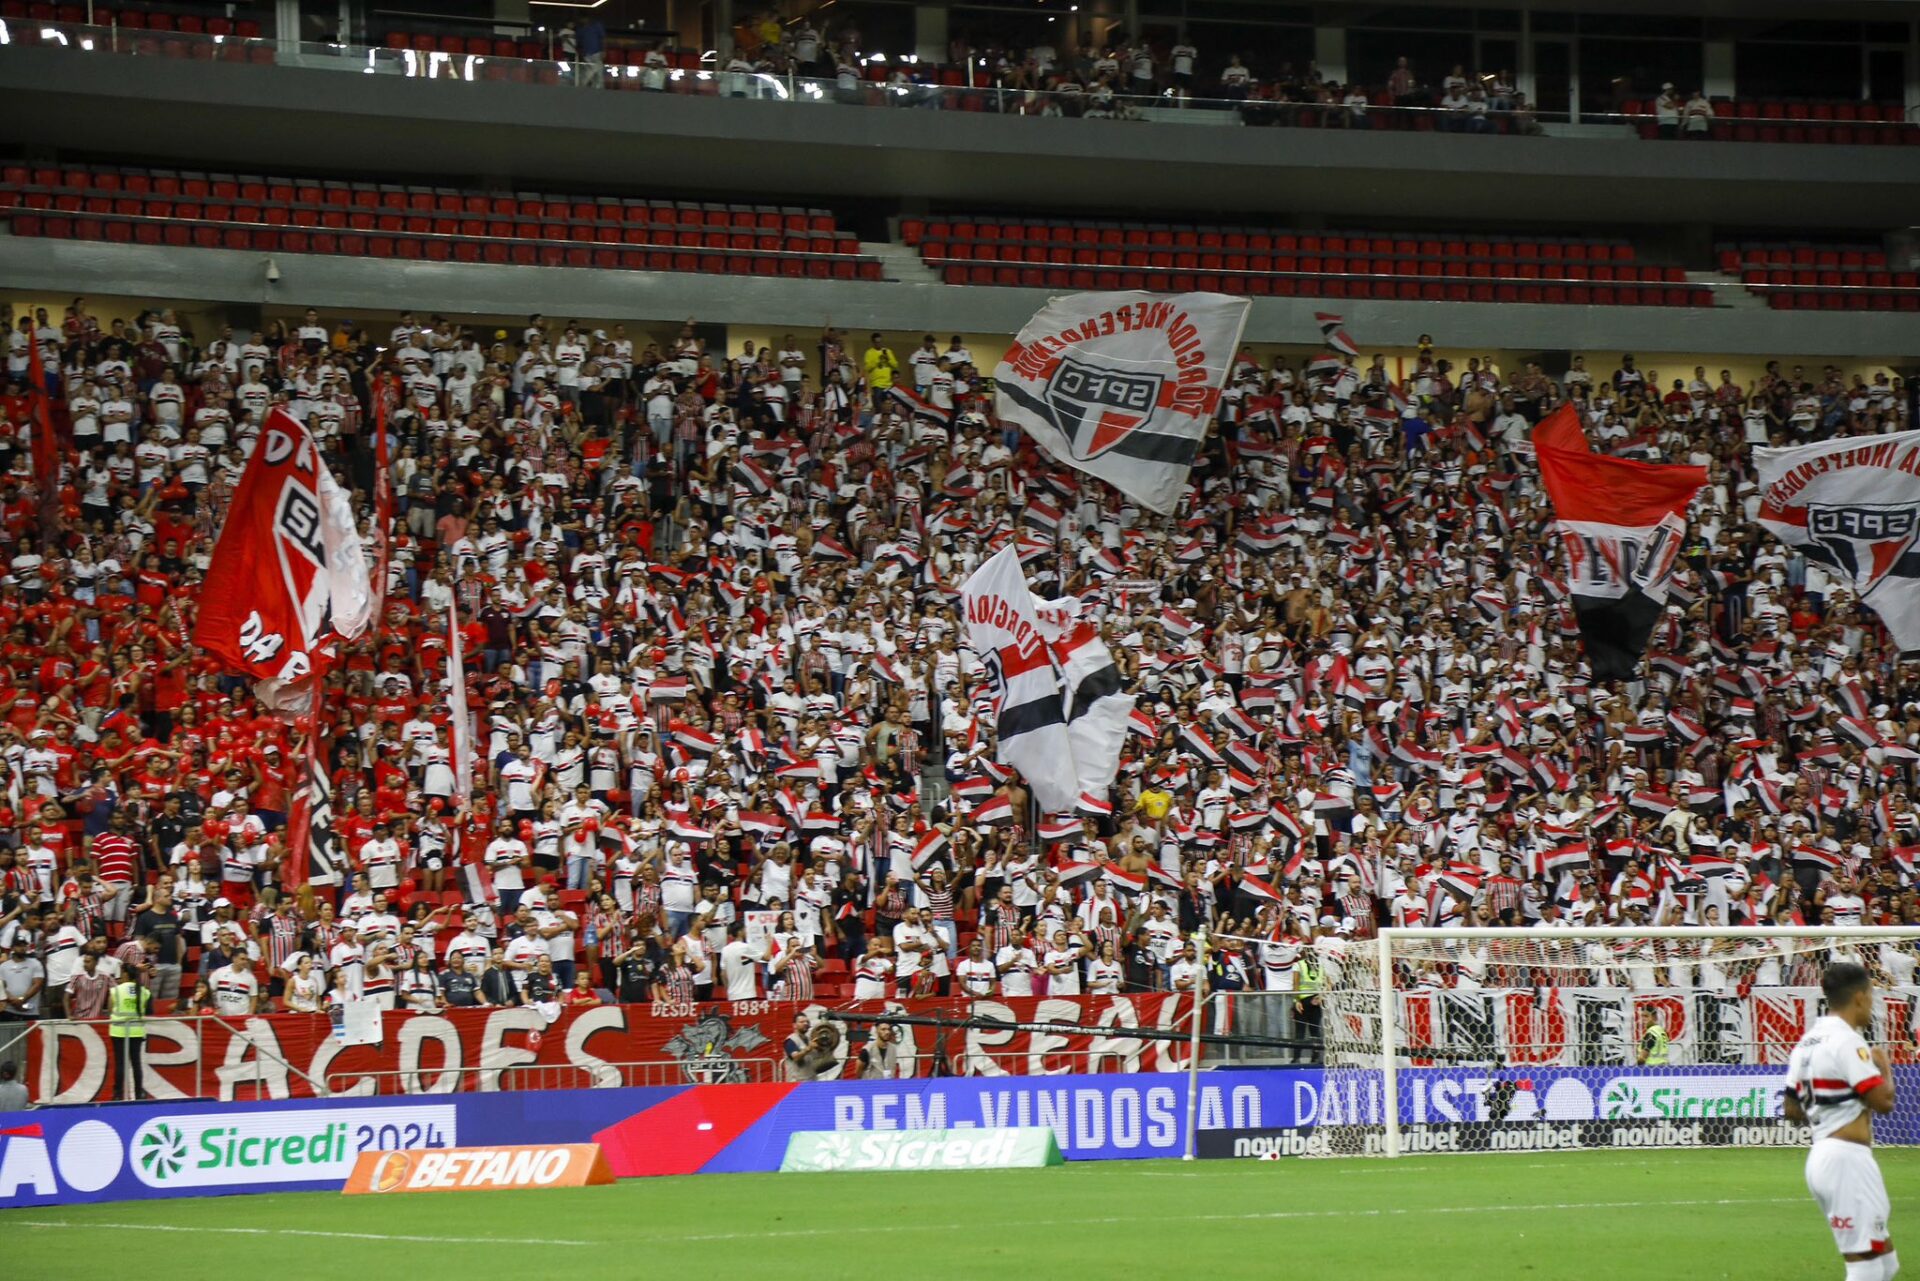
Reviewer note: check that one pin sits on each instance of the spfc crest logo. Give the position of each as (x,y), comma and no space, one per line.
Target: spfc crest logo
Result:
(1863,540)
(1098,408)
(707,1048)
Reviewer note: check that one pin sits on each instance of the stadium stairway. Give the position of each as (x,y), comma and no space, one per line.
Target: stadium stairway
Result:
(1731,299)
(900,262)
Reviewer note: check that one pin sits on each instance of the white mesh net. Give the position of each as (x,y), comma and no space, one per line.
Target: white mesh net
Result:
(1527,1040)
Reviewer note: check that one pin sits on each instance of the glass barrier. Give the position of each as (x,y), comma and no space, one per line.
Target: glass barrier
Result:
(910,85)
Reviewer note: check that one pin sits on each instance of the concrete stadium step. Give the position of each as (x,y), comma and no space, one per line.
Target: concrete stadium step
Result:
(1728,292)
(900,262)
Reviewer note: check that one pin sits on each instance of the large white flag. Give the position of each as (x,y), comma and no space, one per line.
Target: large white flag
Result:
(1098,710)
(1123,385)
(1032,720)
(457,704)
(1853,506)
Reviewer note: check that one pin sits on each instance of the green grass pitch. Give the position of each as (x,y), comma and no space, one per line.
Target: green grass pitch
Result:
(1592,1216)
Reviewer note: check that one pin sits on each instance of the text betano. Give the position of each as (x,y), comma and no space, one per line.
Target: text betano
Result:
(561,1165)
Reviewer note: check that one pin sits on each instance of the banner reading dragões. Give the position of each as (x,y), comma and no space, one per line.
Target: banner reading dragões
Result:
(1853,506)
(1123,385)
(286,1056)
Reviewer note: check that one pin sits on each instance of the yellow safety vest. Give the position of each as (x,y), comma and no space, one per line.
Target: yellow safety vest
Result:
(1656,1043)
(1309,980)
(126,1017)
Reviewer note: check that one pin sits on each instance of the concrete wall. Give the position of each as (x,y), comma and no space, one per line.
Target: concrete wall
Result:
(385,126)
(764,309)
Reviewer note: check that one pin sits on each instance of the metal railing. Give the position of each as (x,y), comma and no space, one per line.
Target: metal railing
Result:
(549,251)
(461,1079)
(621,69)
(658,252)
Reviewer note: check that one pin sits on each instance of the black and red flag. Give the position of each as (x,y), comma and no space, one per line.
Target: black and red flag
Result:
(1622,523)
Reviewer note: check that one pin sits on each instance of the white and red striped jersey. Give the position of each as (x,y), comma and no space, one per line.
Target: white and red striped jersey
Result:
(115,858)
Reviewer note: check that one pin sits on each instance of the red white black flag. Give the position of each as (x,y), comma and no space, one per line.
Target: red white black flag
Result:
(1853,505)
(1333,328)
(287,570)
(1622,523)
(1030,715)
(1123,385)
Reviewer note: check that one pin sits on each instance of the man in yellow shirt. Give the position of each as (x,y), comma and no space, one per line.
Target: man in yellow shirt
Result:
(1155,803)
(881,364)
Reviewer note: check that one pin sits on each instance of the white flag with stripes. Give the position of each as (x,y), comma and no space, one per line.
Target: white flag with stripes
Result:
(1099,711)
(1030,715)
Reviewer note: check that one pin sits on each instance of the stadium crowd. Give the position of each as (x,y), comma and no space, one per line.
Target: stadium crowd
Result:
(1115,78)
(708,606)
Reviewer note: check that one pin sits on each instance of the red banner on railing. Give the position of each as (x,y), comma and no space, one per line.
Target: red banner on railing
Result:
(300,1055)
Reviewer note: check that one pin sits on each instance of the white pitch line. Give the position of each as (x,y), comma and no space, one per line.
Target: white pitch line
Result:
(875,1229)
(302,1232)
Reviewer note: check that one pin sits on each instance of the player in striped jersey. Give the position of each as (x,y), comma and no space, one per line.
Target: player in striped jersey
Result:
(1835,1082)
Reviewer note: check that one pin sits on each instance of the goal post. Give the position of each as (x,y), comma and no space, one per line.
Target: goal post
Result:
(1445,1040)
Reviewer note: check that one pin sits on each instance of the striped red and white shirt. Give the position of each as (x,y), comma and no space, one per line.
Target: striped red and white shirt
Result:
(677,981)
(283,938)
(115,858)
(796,977)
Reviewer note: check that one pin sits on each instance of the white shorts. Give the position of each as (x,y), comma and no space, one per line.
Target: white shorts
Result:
(1845,1181)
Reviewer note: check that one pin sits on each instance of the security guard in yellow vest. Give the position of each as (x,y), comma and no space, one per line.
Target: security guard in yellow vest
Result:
(1306,1000)
(1653,1045)
(127,1024)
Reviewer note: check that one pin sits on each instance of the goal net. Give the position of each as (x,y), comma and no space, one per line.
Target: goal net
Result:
(1490,1040)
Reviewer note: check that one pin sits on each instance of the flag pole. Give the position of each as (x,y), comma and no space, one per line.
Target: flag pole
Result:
(1193,1043)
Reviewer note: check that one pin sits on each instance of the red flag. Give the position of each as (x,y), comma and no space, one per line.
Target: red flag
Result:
(457,705)
(46,450)
(1622,523)
(1561,430)
(288,569)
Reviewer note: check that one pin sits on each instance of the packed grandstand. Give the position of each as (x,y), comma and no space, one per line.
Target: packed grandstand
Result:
(707,602)
(662,689)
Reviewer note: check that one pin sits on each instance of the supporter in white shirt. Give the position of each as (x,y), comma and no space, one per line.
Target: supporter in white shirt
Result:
(235,987)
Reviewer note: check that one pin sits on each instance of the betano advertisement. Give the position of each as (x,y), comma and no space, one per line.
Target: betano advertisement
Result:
(63,1155)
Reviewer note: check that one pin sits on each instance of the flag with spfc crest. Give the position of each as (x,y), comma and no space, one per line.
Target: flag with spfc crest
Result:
(1123,385)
